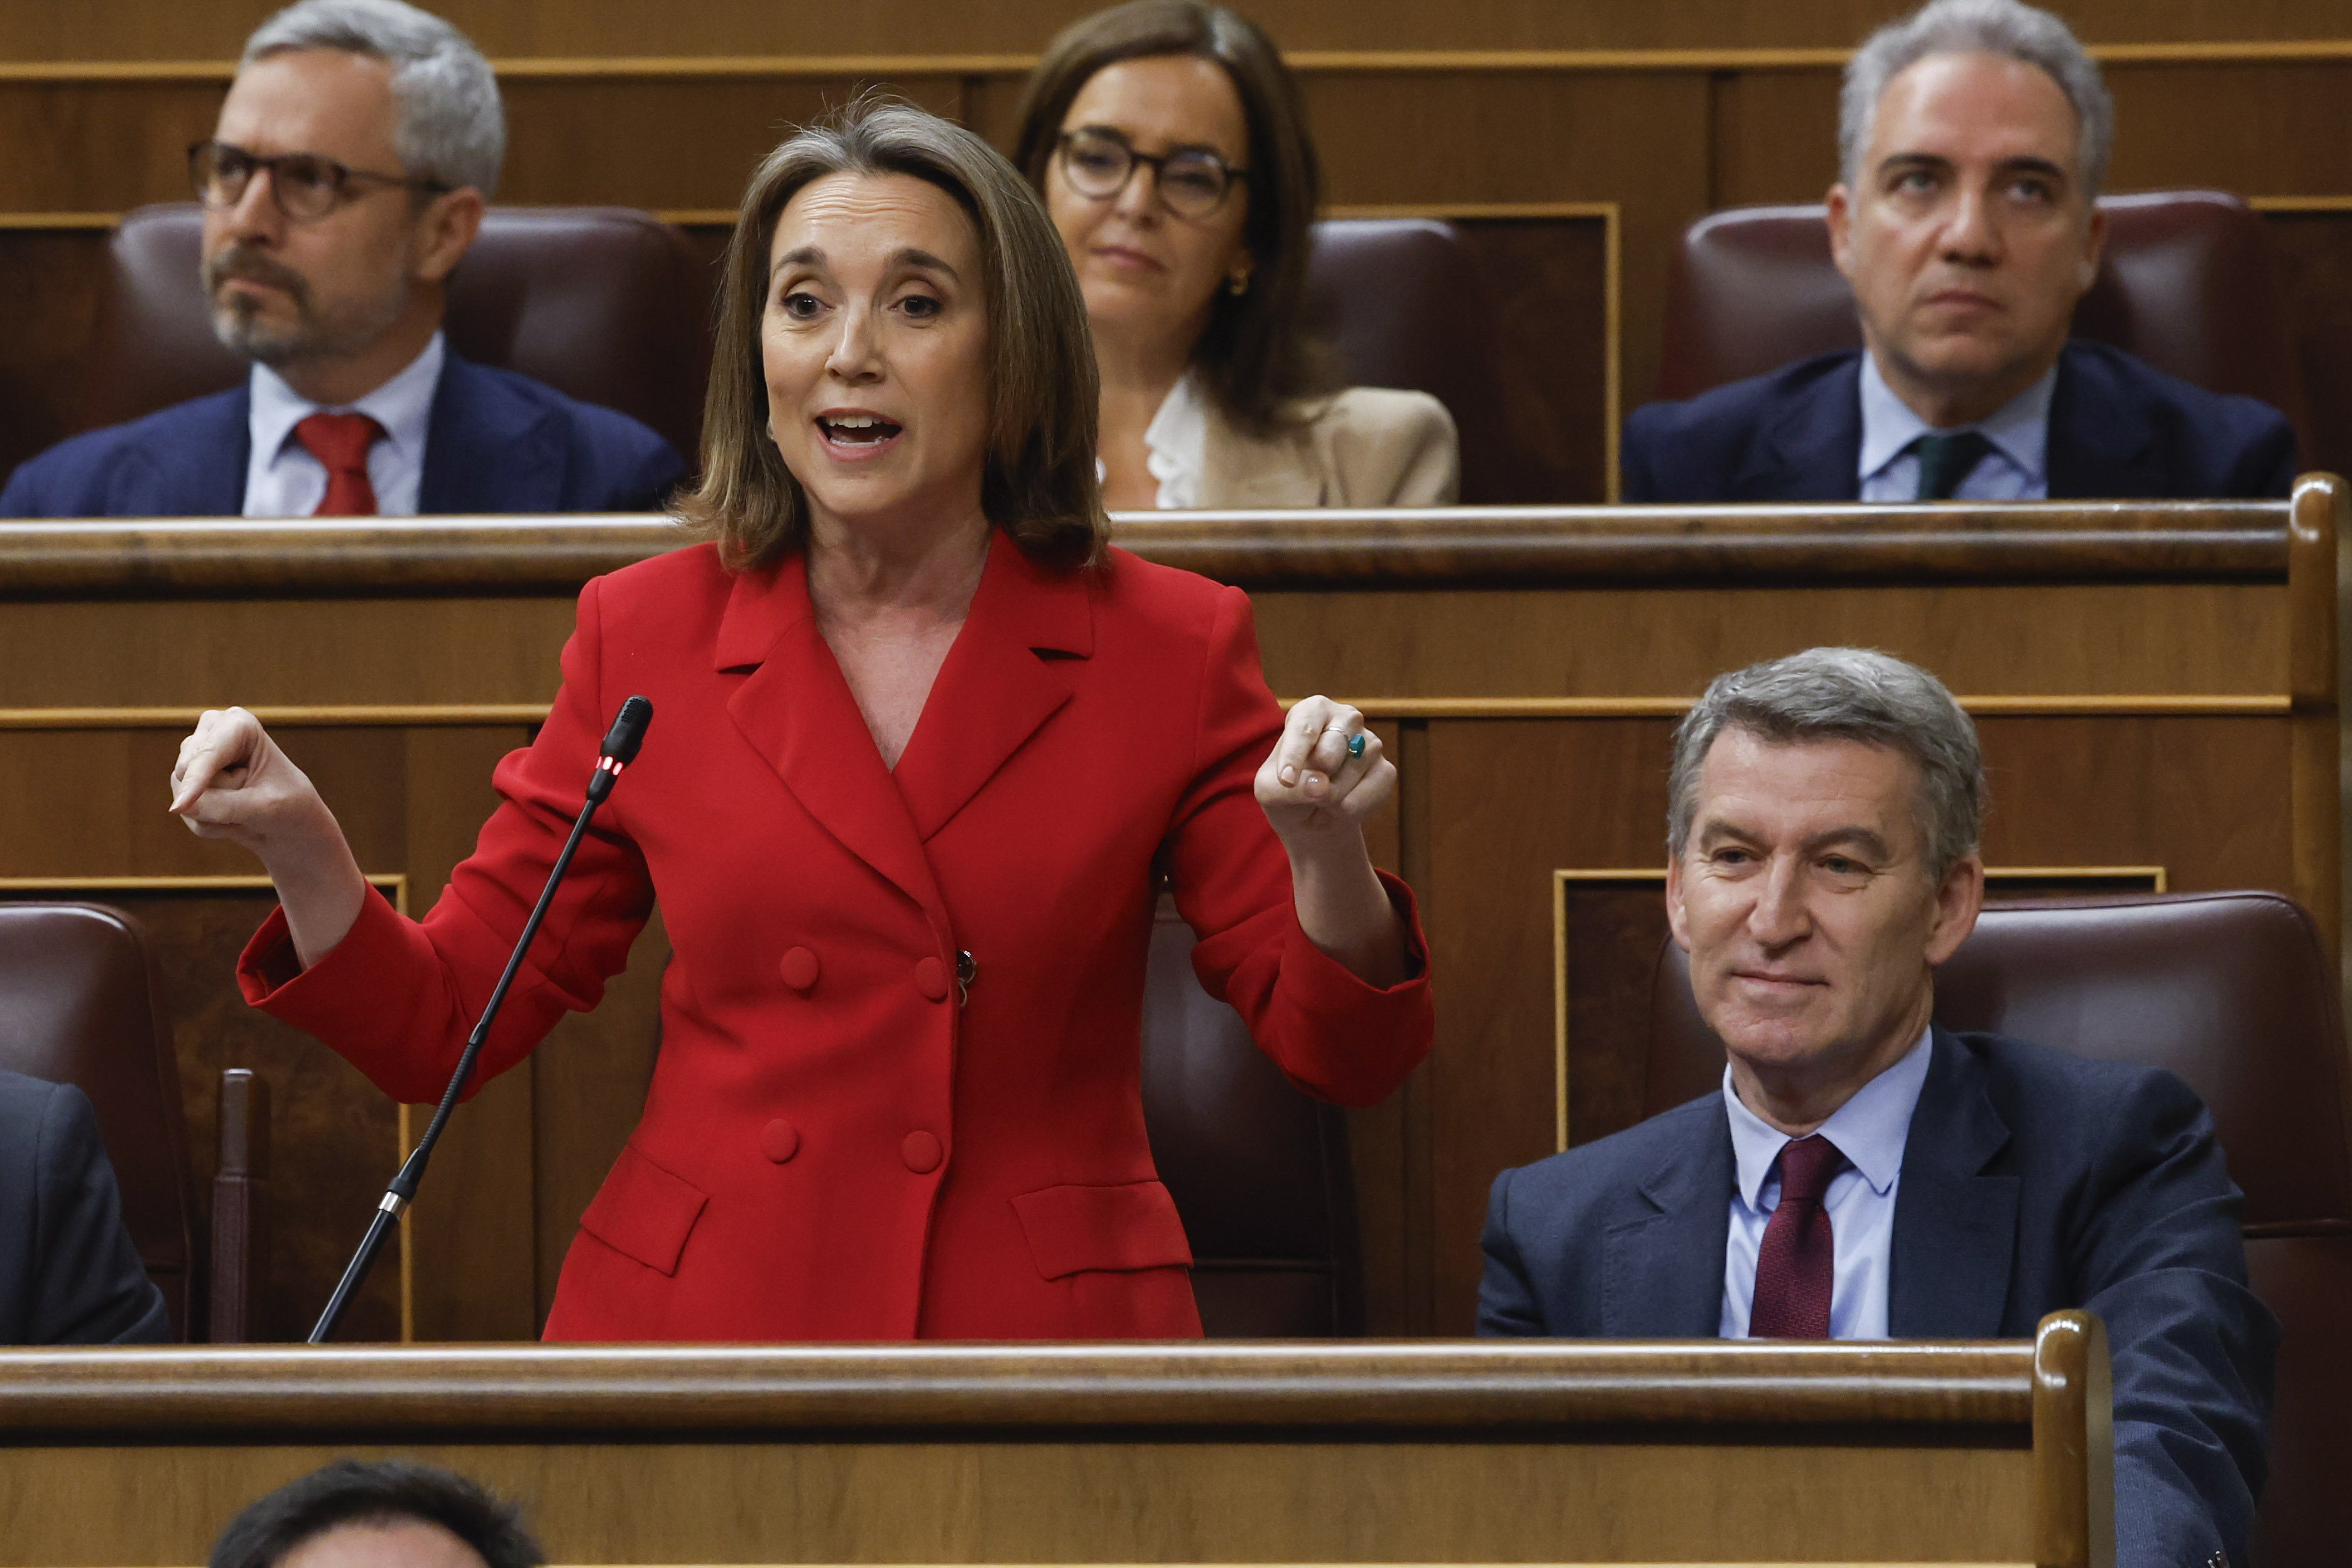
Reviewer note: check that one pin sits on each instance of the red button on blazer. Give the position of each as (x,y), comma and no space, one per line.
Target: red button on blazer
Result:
(1085,732)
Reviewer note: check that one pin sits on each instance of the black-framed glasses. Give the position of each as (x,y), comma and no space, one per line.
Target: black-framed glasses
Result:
(1192,181)
(305,185)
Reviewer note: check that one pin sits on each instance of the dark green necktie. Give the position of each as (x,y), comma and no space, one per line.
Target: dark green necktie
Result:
(1946,461)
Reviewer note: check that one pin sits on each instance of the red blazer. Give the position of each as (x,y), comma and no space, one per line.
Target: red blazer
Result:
(836,1144)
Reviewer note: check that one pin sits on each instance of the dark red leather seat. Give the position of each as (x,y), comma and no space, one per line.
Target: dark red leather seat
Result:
(81,1004)
(1259,1172)
(2234,993)
(601,303)
(2190,283)
(1405,303)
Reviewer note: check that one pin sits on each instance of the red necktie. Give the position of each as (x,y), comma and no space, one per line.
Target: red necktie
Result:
(1795,1264)
(340,443)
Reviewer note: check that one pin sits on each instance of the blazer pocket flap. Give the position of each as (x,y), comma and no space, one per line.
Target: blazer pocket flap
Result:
(644,1212)
(1073,1229)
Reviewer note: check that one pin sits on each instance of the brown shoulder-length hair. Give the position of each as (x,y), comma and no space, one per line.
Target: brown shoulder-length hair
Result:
(1039,483)
(1257,358)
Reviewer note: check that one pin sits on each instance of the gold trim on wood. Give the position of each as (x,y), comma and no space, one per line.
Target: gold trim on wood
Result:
(2156,878)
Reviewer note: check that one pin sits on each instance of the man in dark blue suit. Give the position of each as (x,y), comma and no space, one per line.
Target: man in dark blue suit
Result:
(1864,1174)
(344,181)
(68,1274)
(1973,137)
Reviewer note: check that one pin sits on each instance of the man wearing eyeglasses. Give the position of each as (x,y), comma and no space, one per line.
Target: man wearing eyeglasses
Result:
(344,183)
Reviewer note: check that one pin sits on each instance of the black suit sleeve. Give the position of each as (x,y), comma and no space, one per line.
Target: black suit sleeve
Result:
(1637,485)
(88,1285)
(1506,1301)
(2163,1265)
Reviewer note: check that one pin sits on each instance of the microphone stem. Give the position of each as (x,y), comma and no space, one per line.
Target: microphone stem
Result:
(403,1190)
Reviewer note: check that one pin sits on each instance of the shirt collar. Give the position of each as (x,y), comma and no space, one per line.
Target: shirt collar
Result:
(1869,1128)
(403,406)
(2018,429)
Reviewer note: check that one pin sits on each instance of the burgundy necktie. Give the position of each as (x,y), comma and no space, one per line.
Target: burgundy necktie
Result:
(340,443)
(1795,1266)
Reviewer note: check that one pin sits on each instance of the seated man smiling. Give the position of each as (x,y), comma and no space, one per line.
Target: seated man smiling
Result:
(1864,1174)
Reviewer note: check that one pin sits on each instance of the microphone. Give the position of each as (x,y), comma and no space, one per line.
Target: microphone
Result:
(619,750)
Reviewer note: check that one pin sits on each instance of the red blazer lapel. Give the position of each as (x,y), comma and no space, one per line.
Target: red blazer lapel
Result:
(998,685)
(797,713)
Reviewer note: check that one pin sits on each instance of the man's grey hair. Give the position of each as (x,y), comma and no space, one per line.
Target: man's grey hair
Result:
(1844,694)
(2006,28)
(452,128)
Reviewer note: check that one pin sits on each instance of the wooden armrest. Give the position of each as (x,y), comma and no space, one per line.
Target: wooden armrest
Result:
(240,1232)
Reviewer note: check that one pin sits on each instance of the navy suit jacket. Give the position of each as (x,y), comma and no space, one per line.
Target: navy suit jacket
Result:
(497,442)
(68,1274)
(2032,1182)
(2119,430)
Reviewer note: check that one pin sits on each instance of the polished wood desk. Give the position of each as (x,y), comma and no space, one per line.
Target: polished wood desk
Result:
(2157,688)
(1426,1452)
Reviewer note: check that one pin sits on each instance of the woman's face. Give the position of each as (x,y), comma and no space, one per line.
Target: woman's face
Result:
(1145,270)
(873,343)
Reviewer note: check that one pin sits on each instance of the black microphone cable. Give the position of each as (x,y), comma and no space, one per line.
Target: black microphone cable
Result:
(620,749)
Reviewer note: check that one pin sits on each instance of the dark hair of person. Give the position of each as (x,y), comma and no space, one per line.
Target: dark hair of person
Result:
(1255,359)
(384,1491)
(1039,483)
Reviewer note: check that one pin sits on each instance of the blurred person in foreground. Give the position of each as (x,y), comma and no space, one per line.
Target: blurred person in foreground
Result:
(385,1514)
(342,186)
(1864,1174)
(924,748)
(1973,137)
(1171,146)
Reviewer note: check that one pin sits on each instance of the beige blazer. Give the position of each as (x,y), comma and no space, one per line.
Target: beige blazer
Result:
(1367,446)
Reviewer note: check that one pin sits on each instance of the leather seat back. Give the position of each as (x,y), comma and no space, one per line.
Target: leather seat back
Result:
(1259,1172)
(1405,303)
(601,303)
(81,1004)
(2190,282)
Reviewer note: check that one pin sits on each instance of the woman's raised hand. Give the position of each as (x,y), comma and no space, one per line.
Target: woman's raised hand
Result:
(232,782)
(1325,776)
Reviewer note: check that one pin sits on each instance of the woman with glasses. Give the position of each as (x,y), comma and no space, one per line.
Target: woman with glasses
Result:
(1170,147)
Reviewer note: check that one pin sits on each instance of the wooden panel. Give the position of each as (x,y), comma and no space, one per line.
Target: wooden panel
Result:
(1476,1452)
(216,29)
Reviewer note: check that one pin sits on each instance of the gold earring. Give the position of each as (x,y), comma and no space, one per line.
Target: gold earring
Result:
(1238,284)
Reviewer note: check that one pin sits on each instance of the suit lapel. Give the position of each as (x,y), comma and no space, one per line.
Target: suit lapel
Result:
(796,710)
(487,451)
(1662,1273)
(199,470)
(994,689)
(1240,472)
(1810,452)
(1955,1228)
(2102,445)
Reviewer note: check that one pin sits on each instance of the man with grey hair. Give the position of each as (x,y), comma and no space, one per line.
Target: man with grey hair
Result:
(1973,137)
(1865,1174)
(343,185)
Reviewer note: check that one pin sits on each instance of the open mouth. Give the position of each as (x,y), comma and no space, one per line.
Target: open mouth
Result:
(857,431)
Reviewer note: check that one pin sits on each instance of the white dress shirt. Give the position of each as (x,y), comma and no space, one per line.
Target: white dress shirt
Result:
(1176,445)
(283,479)
(2016,468)
(1870,1130)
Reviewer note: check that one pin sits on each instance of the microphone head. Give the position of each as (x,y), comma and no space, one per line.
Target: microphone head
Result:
(628,731)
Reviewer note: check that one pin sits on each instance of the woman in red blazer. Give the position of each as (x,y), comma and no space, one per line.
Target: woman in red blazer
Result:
(923,748)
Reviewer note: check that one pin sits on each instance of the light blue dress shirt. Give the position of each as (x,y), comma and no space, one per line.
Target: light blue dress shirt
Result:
(2016,468)
(281,477)
(1870,1130)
